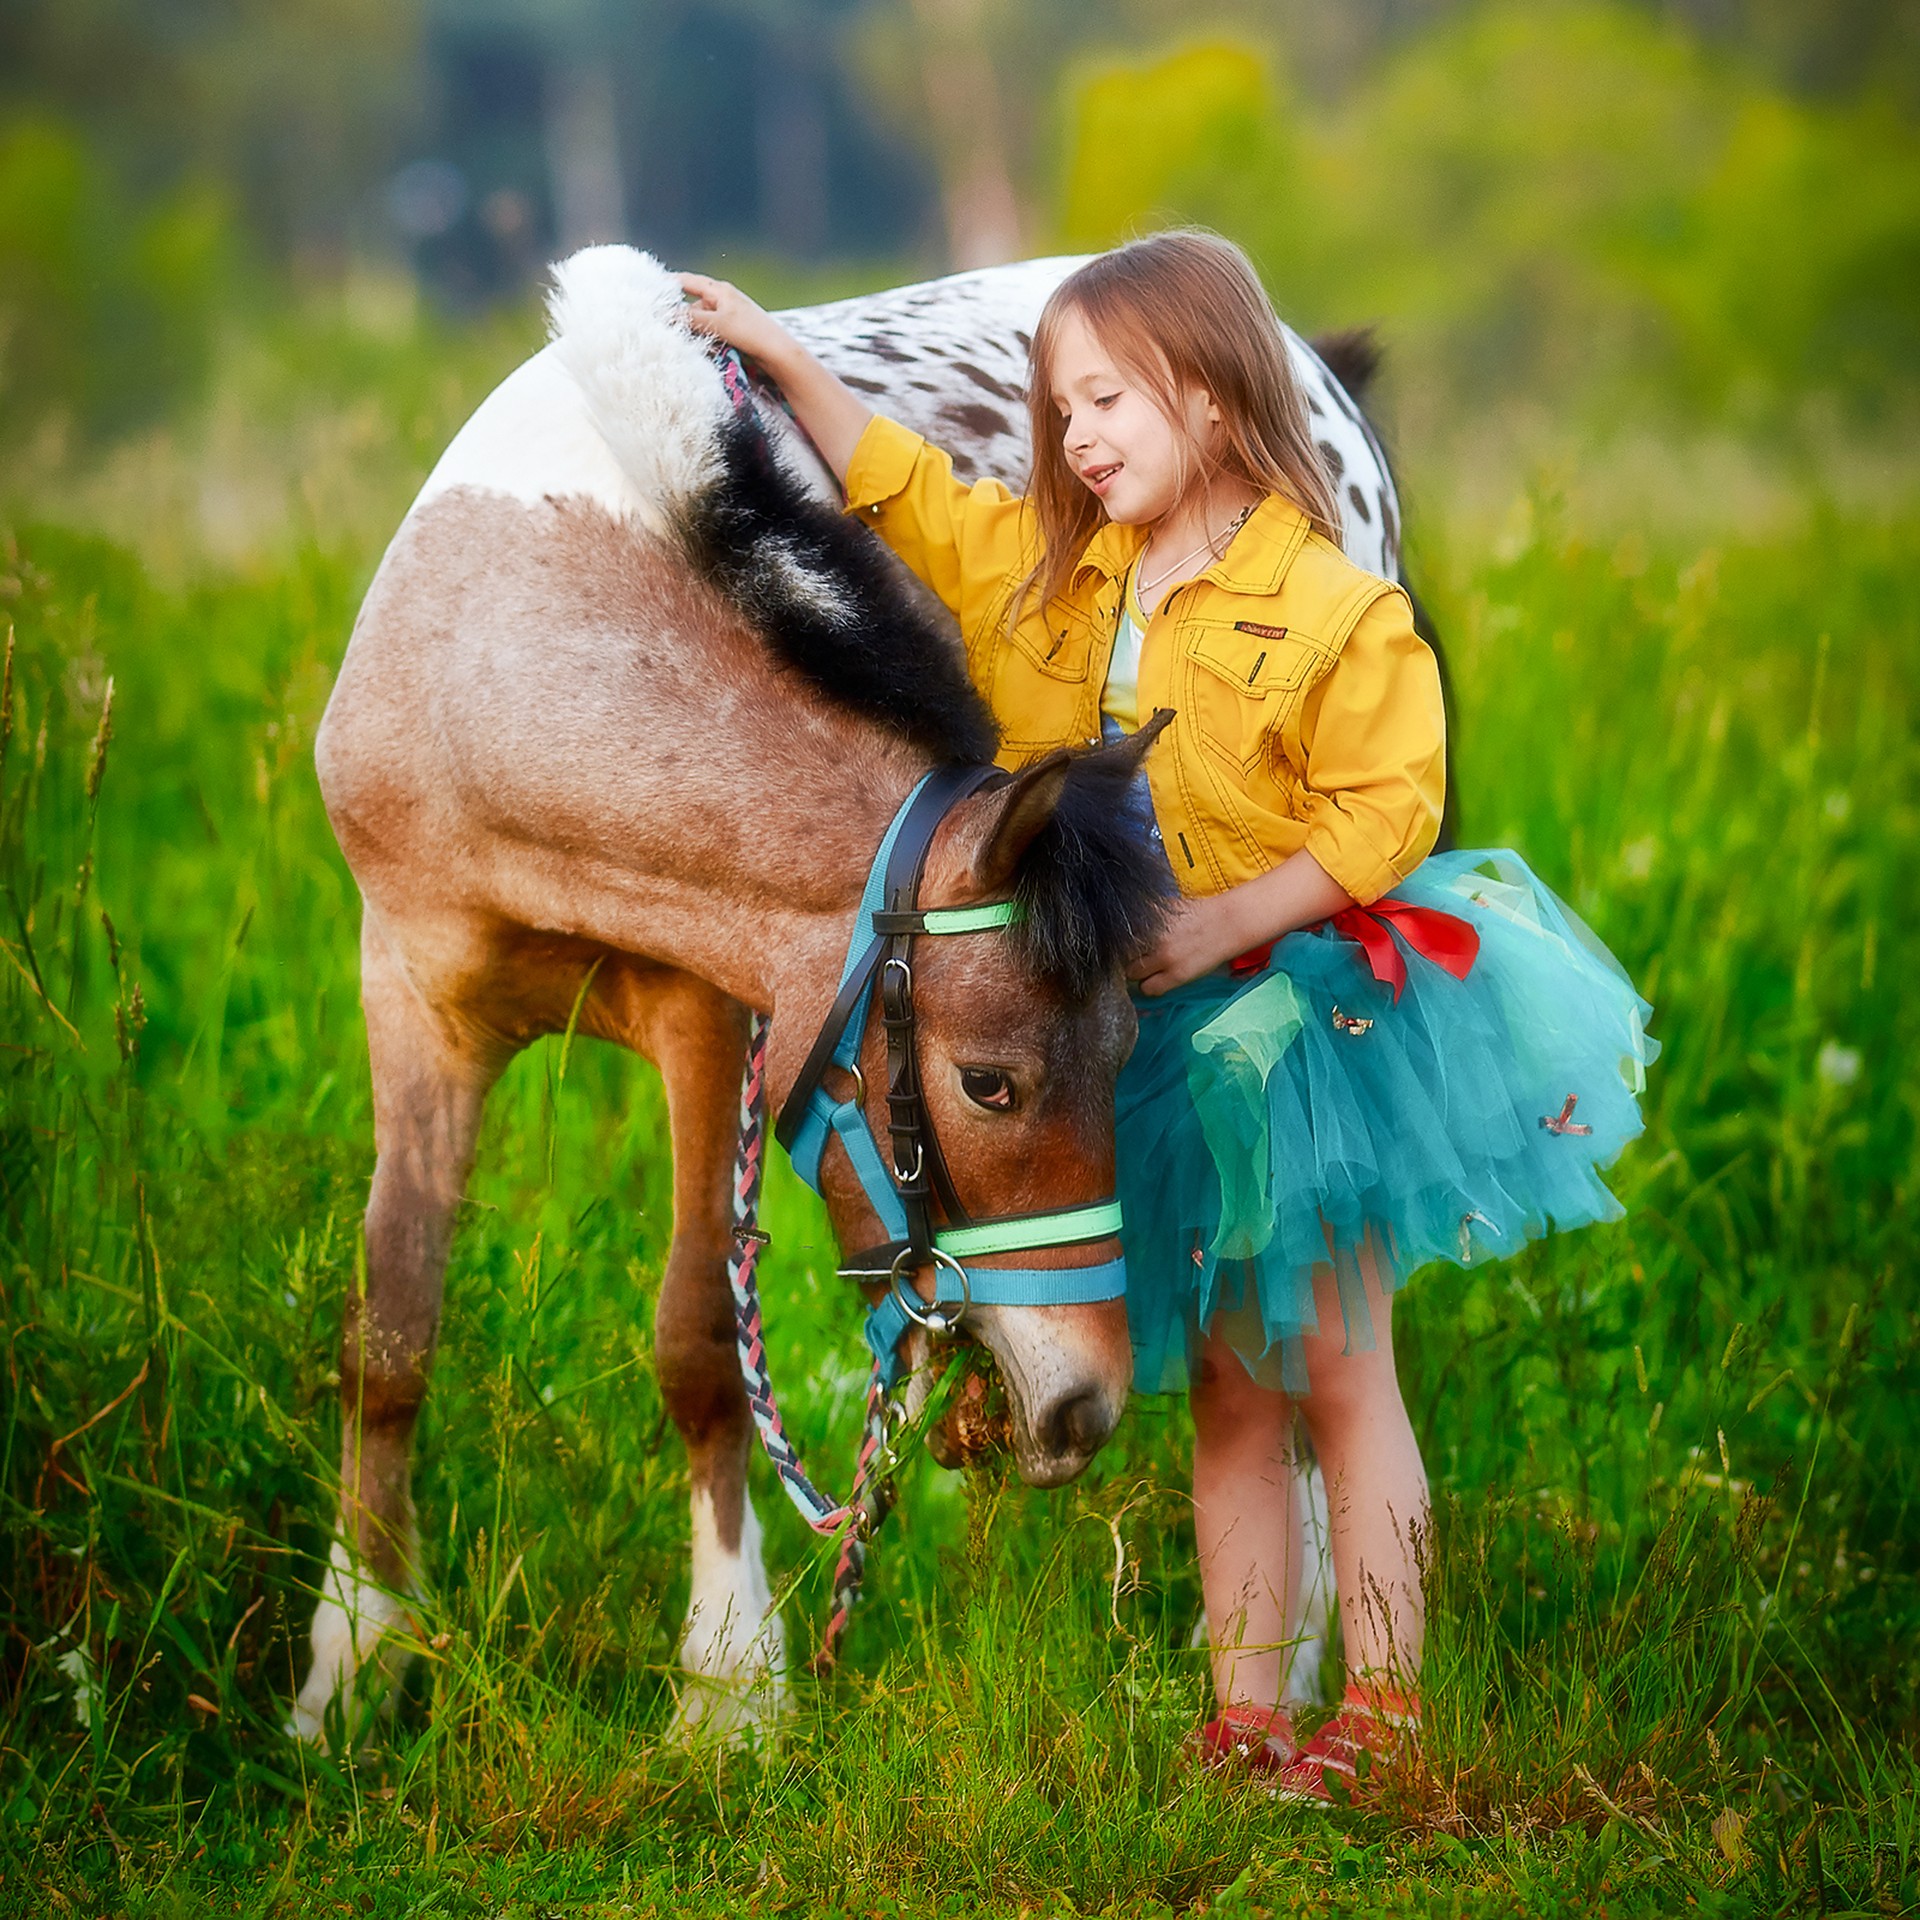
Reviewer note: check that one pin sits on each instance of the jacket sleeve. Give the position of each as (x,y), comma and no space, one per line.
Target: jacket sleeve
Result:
(1374,733)
(968,543)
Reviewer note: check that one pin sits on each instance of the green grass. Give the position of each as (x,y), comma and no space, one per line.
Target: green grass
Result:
(1676,1570)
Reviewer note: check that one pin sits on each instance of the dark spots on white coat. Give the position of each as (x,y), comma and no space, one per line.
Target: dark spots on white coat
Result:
(1337,394)
(1331,455)
(1360,506)
(861,384)
(987,383)
(971,416)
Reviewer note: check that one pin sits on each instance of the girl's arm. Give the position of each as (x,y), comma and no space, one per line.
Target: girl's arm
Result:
(1374,736)
(833,415)
(966,542)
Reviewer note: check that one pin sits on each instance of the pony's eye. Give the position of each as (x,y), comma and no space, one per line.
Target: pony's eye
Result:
(987,1087)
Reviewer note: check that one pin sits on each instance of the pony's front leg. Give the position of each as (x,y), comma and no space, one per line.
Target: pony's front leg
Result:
(733,1651)
(427,1096)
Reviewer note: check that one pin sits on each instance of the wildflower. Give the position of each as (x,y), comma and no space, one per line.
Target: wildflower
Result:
(1837,1066)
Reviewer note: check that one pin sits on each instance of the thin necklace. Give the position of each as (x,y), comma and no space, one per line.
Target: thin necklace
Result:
(1220,539)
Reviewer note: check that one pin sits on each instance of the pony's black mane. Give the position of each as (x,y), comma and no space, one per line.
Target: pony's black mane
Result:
(834,609)
(829,603)
(1092,890)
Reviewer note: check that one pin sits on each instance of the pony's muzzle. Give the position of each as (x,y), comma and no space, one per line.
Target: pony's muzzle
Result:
(1066,1371)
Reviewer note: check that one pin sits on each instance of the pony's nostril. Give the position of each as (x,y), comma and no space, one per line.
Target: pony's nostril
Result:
(1078,1425)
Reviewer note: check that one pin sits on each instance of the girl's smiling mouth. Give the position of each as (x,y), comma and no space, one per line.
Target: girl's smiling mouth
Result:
(1097,477)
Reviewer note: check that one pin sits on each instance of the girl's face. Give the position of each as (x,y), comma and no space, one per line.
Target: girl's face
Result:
(1116,435)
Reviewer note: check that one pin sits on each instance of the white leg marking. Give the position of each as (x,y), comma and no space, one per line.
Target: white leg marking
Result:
(362,1637)
(734,1651)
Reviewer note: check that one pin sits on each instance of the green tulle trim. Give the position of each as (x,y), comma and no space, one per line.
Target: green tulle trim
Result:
(1232,1056)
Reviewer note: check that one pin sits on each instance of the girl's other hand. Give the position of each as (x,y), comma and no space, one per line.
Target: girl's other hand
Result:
(722,312)
(1198,936)
(1207,931)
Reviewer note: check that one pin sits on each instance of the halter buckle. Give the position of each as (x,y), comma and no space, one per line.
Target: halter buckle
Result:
(901,996)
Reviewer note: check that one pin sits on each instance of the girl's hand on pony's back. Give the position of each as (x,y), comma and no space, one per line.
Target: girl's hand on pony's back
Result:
(722,312)
(831,413)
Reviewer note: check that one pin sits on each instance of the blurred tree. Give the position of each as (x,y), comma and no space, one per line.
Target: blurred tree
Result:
(106,306)
(296,111)
(975,82)
(1834,48)
(687,125)
(1572,202)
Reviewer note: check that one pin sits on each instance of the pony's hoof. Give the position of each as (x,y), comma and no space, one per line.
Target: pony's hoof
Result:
(364,1639)
(743,1711)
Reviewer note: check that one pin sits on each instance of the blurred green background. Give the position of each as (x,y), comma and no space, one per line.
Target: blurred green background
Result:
(1648,277)
(1683,238)
(1680,237)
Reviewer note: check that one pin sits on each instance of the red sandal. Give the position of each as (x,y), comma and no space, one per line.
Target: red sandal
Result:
(1243,1737)
(1371,1727)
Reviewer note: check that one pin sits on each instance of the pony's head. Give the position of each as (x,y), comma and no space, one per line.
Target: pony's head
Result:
(1020,1035)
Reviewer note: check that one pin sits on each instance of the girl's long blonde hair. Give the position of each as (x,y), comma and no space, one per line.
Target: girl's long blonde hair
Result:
(1177,310)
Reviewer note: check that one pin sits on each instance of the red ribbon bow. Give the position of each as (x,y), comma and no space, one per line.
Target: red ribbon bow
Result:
(1448,941)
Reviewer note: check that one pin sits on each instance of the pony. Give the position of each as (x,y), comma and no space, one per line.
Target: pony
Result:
(625,713)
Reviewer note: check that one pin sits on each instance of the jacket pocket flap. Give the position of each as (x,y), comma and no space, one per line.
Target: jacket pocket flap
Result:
(1058,639)
(1255,656)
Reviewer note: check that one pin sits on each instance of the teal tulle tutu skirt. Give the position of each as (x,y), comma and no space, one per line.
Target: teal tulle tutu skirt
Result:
(1277,1121)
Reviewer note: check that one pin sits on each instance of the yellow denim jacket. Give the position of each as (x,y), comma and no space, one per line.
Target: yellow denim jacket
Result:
(1306,709)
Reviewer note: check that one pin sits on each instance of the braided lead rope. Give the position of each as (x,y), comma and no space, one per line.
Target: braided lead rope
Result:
(733,376)
(872,1493)
(873,1501)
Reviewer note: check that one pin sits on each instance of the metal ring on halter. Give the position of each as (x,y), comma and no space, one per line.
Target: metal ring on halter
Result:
(859,1082)
(933,1315)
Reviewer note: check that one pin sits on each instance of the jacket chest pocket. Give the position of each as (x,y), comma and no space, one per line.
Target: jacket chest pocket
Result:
(1245,680)
(1056,641)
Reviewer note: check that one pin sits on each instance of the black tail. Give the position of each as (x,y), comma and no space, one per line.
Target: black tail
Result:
(1353,357)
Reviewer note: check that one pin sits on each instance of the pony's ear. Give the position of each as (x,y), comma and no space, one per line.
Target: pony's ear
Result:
(993,830)
(1122,757)
(1010,815)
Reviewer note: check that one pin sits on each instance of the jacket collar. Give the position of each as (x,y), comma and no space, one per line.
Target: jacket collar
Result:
(1256,559)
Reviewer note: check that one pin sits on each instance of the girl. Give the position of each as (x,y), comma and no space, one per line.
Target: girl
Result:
(1353,1059)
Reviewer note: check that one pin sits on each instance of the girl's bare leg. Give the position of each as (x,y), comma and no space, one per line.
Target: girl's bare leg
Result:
(1376,1485)
(1247,1521)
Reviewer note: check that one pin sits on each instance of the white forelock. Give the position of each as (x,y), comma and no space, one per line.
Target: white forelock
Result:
(619,327)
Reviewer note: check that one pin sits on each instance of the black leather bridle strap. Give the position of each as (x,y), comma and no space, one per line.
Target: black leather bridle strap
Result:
(820,1055)
(940,791)
(919,1167)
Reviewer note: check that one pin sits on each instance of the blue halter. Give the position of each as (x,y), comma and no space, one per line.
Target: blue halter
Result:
(902,1196)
